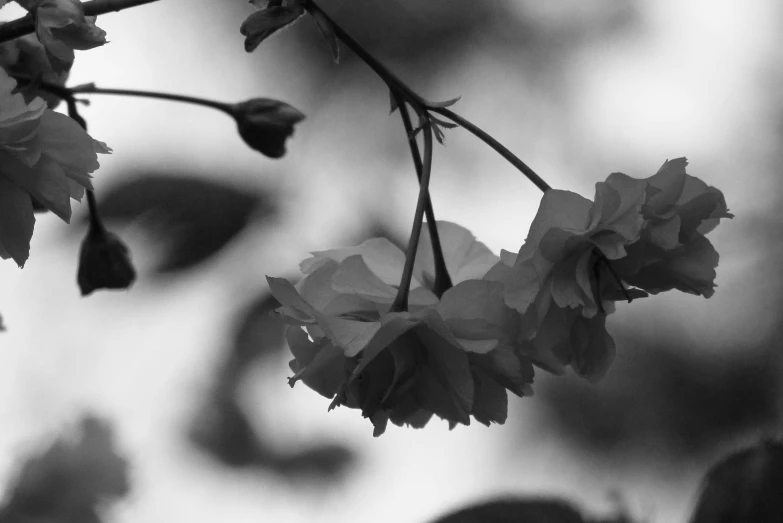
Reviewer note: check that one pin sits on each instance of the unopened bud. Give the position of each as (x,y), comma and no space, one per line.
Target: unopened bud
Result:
(104,262)
(265,124)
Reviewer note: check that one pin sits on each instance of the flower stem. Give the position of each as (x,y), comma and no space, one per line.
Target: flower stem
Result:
(95,219)
(391,80)
(401,300)
(91,89)
(67,93)
(26,25)
(96,224)
(442,278)
(497,146)
(419,104)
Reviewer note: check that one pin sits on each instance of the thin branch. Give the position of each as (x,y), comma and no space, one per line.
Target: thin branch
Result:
(401,300)
(497,146)
(391,80)
(26,25)
(419,104)
(91,89)
(67,93)
(442,279)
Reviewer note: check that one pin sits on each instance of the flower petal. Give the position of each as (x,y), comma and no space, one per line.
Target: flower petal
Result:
(46,182)
(355,277)
(466,258)
(321,366)
(490,402)
(16,222)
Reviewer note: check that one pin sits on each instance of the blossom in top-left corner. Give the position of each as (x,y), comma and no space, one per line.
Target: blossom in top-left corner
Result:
(44,156)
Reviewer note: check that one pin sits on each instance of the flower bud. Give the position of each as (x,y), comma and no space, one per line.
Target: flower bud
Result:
(104,262)
(265,124)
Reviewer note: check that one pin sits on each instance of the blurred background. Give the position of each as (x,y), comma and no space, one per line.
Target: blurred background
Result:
(190,372)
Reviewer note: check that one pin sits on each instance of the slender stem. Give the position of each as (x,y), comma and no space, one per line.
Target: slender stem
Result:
(95,219)
(26,25)
(67,93)
(91,89)
(401,300)
(381,70)
(96,225)
(420,104)
(497,146)
(442,279)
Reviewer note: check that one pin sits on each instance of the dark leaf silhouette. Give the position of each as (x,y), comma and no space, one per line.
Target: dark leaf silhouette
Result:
(516,511)
(323,461)
(223,431)
(526,510)
(70,480)
(194,218)
(258,333)
(690,400)
(747,486)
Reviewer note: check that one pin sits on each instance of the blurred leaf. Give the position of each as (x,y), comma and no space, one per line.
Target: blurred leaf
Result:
(686,399)
(321,461)
(747,486)
(70,480)
(258,332)
(516,511)
(527,510)
(222,430)
(257,335)
(195,218)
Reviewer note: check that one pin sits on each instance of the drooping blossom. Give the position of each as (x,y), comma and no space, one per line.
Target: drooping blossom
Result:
(561,283)
(43,155)
(452,357)
(673,252)
(637,237)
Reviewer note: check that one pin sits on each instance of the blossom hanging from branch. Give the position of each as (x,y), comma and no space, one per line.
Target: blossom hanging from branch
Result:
(404,366)
(43,155)
(546,305)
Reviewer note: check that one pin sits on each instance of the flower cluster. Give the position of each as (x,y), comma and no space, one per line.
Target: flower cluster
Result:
(450,356)
(45,156)
(455,356)
(580,255)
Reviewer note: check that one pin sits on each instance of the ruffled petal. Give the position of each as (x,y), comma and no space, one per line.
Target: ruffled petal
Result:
(16,222)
